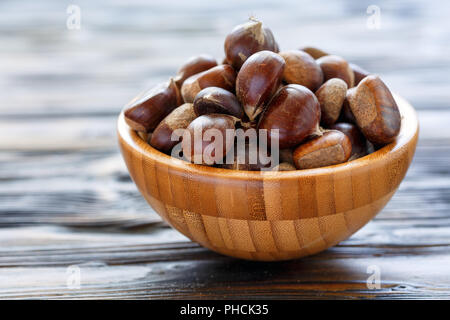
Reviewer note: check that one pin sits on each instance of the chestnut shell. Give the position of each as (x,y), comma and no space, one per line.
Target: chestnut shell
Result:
(295,111)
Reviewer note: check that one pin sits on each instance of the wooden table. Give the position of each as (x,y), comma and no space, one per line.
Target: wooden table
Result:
(73,224)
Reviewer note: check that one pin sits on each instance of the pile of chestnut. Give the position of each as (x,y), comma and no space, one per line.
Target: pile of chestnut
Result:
(325,110)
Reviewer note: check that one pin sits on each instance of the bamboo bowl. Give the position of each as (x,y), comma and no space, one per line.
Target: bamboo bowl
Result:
(269,215)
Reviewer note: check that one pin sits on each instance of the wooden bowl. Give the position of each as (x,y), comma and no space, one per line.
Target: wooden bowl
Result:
(269,215)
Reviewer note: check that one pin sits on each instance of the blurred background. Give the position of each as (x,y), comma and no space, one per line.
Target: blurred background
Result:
(68,67)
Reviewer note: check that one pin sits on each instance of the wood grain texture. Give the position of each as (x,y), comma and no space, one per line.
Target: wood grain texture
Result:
(61,92)
(328,216)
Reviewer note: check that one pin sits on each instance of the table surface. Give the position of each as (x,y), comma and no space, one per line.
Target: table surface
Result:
(69,211)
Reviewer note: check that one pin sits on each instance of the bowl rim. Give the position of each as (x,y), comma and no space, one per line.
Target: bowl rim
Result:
(408,131)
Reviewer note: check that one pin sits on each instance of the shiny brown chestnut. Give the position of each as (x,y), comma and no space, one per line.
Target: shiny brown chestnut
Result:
(284,166)
(147,110)
(179,118)
(333,147)
(295,112)
(217,100)
(331,96)
(144,136)
(301,69)
(359,73)
(375,110)
(208,138)
(357,139)
(336,67)
(314,52)
(247,39)
(193,66)
(286,155)
(258,79)
(222,76)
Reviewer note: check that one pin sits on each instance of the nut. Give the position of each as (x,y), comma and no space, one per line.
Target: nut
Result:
(357,139)
(286,156)
(217,100)
(295,111)
(222,76)
(193,66)
(375,110)
(208,138)
(333,147)
(359,73)
(336,67)
(147,110)
(301,69)
(247,39)
(331,96)
(179,118)
(314,52)
(258,79)
(243,161)
(284,166)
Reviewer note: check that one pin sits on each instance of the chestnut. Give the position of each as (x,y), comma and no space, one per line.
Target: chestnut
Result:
(357,139)
(147,110)
(144,136)
(359,73)
(375,110)
(284,166)
(208,138)
(286,156)
(258,79)
(301,69)
(217,100)
(314,52)
(179,118)
(333,147)
(331,96)
(295,112)
(247,39)
(222,76)
(336,67)
(193,66)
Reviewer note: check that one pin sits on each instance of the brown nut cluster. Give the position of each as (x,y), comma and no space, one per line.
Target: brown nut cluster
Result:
(294,109)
